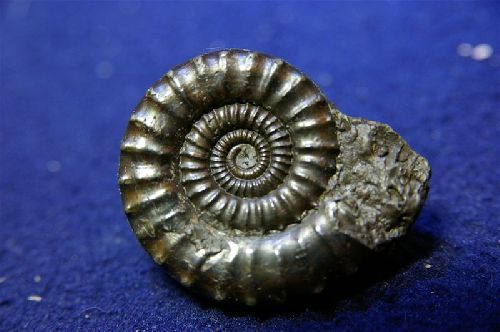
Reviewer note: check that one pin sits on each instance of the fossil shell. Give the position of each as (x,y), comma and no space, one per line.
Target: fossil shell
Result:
(230,178)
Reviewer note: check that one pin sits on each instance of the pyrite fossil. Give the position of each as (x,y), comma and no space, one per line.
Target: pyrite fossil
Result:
(246,183)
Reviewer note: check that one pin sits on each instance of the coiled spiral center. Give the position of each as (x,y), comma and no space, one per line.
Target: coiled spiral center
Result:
(246,162)
(244,157)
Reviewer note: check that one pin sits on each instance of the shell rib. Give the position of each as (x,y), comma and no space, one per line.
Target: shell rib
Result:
(228,178)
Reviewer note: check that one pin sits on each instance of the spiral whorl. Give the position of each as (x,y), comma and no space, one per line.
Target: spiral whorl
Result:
(223,160)
(241,196)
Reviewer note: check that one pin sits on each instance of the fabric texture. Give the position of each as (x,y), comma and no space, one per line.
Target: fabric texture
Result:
(72,72)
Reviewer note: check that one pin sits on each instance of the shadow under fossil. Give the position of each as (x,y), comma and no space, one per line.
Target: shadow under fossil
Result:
(380,267)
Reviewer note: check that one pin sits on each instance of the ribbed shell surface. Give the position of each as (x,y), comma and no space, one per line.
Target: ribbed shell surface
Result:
(222,170)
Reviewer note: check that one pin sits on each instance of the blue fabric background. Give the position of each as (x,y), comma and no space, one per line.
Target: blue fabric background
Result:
(71,73)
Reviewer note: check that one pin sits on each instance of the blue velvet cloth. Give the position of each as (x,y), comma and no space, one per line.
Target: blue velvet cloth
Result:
(71,73)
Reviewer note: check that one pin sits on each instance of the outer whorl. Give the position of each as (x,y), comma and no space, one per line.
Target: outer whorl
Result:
(228,178)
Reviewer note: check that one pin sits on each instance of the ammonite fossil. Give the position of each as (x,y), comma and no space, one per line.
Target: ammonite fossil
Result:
(246,183)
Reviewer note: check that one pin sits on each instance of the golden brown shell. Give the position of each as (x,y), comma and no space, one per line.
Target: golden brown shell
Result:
(224,173)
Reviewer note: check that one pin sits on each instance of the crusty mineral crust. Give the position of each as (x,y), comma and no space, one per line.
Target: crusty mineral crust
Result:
(380,183)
